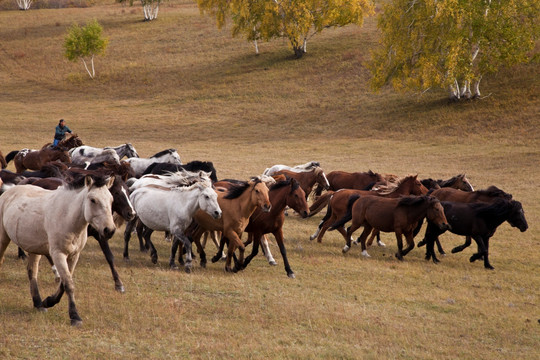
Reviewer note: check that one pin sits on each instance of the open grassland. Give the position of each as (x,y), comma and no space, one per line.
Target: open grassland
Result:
(179,82)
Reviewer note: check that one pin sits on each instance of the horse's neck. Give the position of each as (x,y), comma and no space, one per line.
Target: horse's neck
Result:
(415,213)
(67,206)
(246,206)
(278,199)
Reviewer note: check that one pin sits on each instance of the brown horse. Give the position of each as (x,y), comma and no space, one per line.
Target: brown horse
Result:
(35,159)
(68,143)
(237,204)
(337,202)
(351,180)
(282,194)
(307,179)
(457,182)
(3,162)
(400,216)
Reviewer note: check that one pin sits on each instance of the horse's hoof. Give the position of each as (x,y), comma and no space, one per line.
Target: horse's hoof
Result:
(291,275)
(399,257)
(41,309)
(215,259)
(346,248)
(442,253)
(188,269)
(312,237)
(120,288)
(489,267)
(456,250)
(365,254)
(203,264)
(381,244)
(272,263)
(223,258)
(173,266)
(127,259)
(76,322)
(421,243)
(228,269)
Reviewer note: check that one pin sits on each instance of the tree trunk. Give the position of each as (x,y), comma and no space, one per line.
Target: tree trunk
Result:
(24,4)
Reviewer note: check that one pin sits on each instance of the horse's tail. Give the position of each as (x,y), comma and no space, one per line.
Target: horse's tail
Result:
(11,155)
(320,203)
(348,215)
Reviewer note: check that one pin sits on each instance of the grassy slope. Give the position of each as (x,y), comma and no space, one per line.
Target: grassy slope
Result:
(179,82)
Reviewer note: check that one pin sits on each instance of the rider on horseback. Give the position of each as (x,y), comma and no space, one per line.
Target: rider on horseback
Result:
(60,132)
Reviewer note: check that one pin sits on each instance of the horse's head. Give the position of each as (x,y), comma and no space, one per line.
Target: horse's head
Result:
(208,200)
(417,188)
(259,194)
(121,203)
(517,216)
(296,199)
(61,155)
(98,205)
(462,183)
(130,151)
(174,158)
(321,178)
(435,213)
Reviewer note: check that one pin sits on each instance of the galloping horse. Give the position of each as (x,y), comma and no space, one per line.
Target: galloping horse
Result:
(237,204)
(69,143)
(400,216)
(35,159)
(89,154)
(346,180)
(457,182)
(479,221)
(307,179)
(337,203)
(45,222)
(140,164)
(298,168)
(282,194)
(3,162)
(172,209)
(195,165)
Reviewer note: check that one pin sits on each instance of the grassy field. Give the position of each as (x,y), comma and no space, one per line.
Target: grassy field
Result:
(179,82)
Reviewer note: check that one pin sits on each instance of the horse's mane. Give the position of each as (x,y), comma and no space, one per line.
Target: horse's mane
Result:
(163,152)
(308,166)
(285,183)
(494,191)
(78,180)
(392,186)
(499,208)
(239,187)
(123,169)
(451,181)
(412,200)
(185,178)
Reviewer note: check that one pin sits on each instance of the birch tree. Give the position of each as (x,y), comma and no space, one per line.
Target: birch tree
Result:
(24,4)
(296,20)
(150,8)
(452,44)
(84,43)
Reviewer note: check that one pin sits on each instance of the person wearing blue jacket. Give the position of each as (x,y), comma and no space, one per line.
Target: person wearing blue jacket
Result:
(60,132)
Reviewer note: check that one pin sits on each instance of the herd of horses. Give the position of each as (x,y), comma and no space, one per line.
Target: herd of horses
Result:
(60,195)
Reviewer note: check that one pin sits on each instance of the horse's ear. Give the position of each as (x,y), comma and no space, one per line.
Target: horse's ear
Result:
(110,182)
(88,181)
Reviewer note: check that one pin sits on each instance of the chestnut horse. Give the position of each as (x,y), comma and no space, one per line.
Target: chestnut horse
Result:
(307,179)
(337,203)
(282,194)
(351,180)
(35,159)
(479,221)
(400,216)
(237,204)
(457,182)
(68,143)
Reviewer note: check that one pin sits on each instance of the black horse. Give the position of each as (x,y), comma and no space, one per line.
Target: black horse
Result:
(194,166)
(479,221)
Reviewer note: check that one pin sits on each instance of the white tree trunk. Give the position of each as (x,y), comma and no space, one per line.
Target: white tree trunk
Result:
(150,11)
(90,73)
(24,4)
(454,91)
(476,88)
(256,47)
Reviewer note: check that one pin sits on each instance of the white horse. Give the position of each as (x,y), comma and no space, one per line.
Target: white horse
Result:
(171,209)
(298,168)
(94,156)
(166,156)
(54,223)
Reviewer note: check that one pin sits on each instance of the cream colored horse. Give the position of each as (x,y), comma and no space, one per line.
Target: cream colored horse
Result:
(54,222)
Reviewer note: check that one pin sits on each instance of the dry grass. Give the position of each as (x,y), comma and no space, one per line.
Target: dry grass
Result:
(179,82)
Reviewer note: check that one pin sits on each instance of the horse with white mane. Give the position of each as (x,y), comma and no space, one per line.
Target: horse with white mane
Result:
(91,155)
(165,208)
(54,223)
(298,168)
(139,165)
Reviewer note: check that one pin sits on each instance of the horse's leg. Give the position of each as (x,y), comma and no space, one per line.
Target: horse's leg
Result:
(179,236)
(32,269)
(213,235)
(399,239)
(4,242)
(374,234)
(153,252)
(256,240)
(221,248)
(21,255)
(65,267)
(104,244)
(130,225)
(230,252)
(481,249)
(53,268)
(266,251)
(410,243)
(174,247)
(487,265)
(362,239)
(462,247)
(348,236)
(279,239)
(141,230)
(200,250)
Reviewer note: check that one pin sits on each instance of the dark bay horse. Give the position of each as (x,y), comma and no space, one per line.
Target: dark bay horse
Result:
(400,216)
(3,162)
(479,221)
(282,194)
(194,166)
(337,202)
(307,179)
(35,159)
(350,180)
